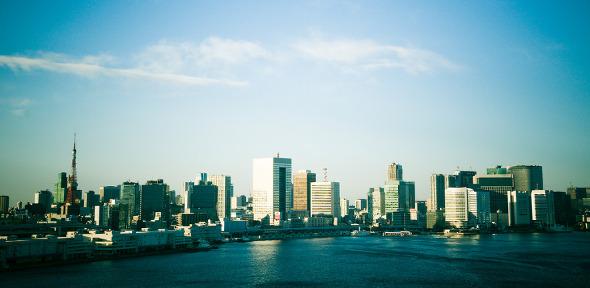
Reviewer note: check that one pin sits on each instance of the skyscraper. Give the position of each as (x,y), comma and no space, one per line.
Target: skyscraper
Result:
(61,187)
(376,203)
(4,203)
(399,196)
(344,204)
(527,177)
(542,209)
(110,192)
(394,172)
(201,199)
(360,204)
(154,198)
(465,207)
(437,192)
(272,188)
(325,198)
(225,190)
(302,180)
(130,198)
(519,208)
(91,199)
(499,185)
(44,198)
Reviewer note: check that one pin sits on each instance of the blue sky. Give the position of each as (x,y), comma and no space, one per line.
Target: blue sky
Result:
(167,90)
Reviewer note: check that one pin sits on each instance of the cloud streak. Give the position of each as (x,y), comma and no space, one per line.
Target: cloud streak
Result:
(91,67)
(369,55)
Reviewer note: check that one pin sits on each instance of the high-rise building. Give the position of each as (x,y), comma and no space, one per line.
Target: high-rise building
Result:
(437,192)
(61,187)
(272,188)
(302,180)
(325,198)
(154,198)
(376,203)
(519,208)
(399,195)
(465,207)
(239,202)
(91,199)
(360,204)
(394,172)
(130,198)
(225,190)
(344,203)
(563,210)
(499,185)
(577,195)
(44,198)
(421,210)
(4,204)
(201,199)
(542,209)
(527,177)
(108,193)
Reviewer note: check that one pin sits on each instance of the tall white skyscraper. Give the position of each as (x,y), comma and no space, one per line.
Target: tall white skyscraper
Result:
(376,199)
(344,203)
(542,207)
(272,189)
(225,190)
(465,207)
(325,198)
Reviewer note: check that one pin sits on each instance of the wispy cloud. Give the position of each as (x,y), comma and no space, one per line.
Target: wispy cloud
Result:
(18,107)
(368,54)
(211,54)
(93,66)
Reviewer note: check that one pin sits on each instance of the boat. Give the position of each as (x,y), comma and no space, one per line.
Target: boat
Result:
(397,233)
(460,232)
(359,233)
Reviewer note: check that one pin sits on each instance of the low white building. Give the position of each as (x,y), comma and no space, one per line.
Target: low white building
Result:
(519,208)
(542,207)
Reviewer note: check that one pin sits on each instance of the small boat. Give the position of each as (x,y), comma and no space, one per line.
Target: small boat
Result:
(397,234)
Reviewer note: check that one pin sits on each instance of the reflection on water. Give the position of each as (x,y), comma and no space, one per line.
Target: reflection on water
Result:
(521,260)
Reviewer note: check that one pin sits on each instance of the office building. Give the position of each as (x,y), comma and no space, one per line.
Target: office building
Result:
(201,199)
(563,210)
(360,204)
(91,199)
(225,190)
(399,196)
(465,207)
(44,198)
(4,204)
(376,203)
(394,172)
(272,188)
(577,195)
(239,202)
(344,204)
(302,180)
(153,199)
(420,210)
(542,209)
(61,187)
(498,185)
(325,198)
(527,177)
(437,192)
(108,193)
(130,197)
(519,208)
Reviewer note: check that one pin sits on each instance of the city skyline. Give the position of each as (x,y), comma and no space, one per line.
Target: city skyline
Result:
(432,86)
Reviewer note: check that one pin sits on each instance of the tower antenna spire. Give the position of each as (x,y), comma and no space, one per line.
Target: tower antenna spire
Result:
(73,179)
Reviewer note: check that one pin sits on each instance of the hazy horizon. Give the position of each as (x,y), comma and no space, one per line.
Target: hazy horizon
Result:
(168,90)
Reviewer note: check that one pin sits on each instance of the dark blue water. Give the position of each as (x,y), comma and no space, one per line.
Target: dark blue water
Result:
(506,260)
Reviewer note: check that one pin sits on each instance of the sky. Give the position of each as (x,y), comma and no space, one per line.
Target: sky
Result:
(169,89)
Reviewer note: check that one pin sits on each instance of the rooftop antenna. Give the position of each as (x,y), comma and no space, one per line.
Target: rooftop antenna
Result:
(325,174)
(278,155)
